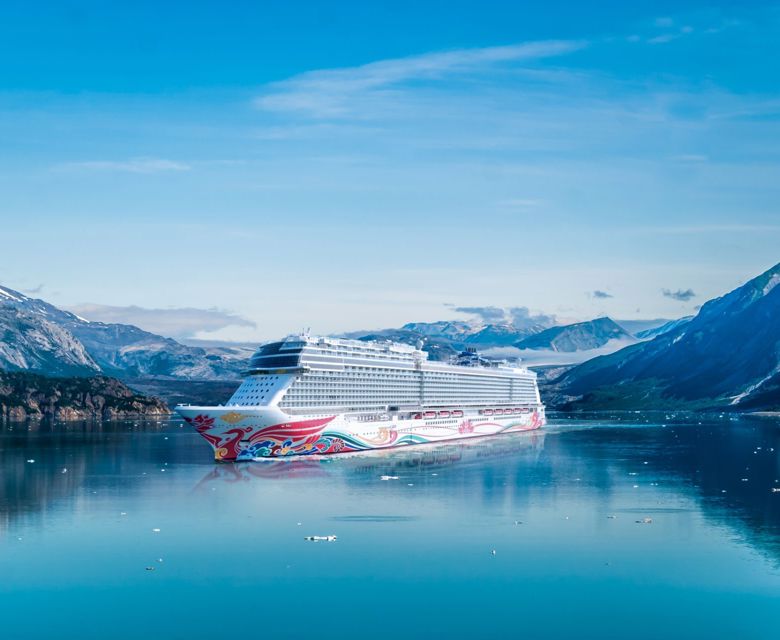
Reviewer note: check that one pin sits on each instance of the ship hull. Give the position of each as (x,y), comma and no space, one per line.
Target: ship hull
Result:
(245,434)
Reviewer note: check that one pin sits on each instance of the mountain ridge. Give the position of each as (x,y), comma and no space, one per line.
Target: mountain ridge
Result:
(724,357)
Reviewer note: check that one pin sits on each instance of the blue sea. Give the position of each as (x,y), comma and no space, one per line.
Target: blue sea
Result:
(633,526)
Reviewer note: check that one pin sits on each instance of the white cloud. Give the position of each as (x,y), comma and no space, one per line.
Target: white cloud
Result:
(520,203)
(174,323)
(132,165)
(330,92)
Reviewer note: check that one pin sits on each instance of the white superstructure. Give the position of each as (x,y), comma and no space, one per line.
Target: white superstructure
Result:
(365,390)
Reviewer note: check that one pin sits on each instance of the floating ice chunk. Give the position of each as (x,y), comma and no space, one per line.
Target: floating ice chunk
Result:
(645,521)
(64,470)
(155,530)
(31,460)
(321,538)
(388,477)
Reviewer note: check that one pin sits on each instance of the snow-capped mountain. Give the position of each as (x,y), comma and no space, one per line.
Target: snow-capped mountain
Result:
(37,336)
(728,355)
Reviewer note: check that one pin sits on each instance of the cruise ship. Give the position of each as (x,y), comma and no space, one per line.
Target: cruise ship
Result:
(308,395)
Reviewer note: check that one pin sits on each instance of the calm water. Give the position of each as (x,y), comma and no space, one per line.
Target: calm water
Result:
(414,555)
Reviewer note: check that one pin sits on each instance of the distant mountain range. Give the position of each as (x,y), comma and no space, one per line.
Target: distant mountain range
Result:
(727,356)
(443,339)
(37,336)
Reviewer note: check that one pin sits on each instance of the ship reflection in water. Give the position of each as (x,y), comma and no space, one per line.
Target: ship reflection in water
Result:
(589,528)
(378,463)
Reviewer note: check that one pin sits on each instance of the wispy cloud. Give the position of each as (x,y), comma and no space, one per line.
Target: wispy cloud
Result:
(709,228)
(667,28)
(522,317)
(680,294)
(132,165)
(486,314)
(520,203)
(331,93)
(175,323)
(33,290)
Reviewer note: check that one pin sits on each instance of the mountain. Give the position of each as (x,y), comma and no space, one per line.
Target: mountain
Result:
(452,329)
(31,342)
(27,395)
(635,327)
(580,336)
(667,326)
(498,335)
(500,340)
(445,338)
(727,356)
(437,348)
(37,336)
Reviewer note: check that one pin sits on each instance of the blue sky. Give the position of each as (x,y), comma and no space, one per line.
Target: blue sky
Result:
(359,165)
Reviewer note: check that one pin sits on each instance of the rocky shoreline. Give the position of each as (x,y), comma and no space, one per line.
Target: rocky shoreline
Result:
(25,396)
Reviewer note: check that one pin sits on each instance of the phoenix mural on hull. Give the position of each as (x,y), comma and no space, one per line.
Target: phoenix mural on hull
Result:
(320,436)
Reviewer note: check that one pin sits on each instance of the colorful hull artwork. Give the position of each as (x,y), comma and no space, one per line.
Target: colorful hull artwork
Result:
(238,434)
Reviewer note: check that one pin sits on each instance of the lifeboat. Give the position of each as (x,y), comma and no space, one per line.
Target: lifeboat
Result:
(525,410)
(457,414)
(498,412)
(429,414)
(444,414)
(417,416)
(487,412)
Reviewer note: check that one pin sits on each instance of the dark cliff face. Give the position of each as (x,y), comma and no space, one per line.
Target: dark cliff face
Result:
(27,395)
(726,356)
